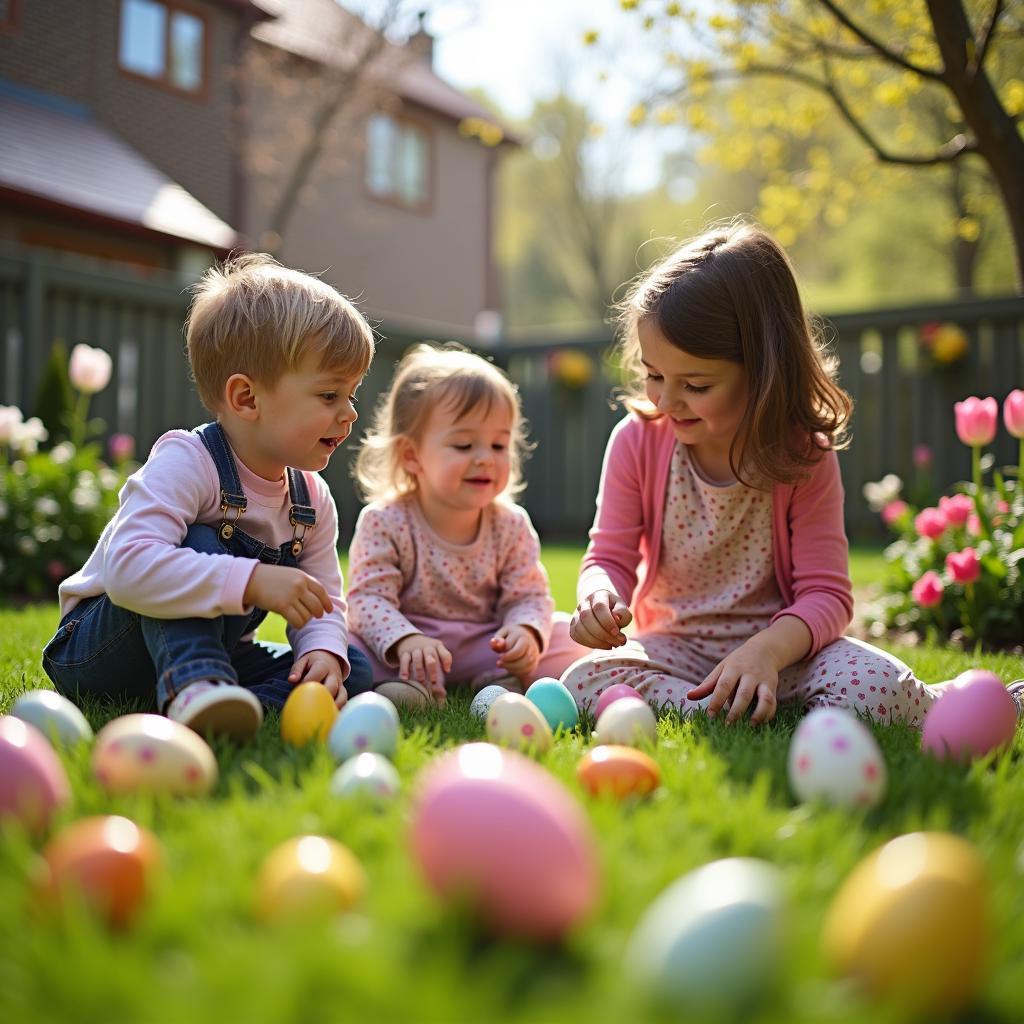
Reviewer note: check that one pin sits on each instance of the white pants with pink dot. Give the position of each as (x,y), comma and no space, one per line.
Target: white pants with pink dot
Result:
(847,673)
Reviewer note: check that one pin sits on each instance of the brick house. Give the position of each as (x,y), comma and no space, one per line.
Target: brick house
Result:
(132,131)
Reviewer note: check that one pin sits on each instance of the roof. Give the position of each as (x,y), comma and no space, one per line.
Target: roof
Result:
(323,31)
(55,151)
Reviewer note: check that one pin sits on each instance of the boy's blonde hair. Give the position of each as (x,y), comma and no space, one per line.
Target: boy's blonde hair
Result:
(251,315)
(426,377)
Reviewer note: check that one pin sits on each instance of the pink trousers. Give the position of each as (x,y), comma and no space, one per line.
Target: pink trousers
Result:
(474,664)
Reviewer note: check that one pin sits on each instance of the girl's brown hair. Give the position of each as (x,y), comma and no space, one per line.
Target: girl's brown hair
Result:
(731,294)
(426,377)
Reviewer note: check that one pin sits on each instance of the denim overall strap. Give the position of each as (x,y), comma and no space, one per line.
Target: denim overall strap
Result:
(302,515)
(232,497)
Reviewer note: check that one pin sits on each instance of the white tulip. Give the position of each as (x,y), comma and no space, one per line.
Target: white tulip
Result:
(89,369)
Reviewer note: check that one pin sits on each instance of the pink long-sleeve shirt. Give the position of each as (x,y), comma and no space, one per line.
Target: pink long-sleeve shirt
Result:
(809,546)
(139,564)
(402,573)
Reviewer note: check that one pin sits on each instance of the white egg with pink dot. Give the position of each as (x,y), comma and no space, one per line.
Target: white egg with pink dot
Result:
(514,721)
(834,758)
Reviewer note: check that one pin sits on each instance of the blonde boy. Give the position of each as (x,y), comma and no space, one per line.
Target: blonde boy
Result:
(231,520)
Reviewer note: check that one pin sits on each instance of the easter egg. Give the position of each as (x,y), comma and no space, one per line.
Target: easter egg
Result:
(613,693)
(368,722)
(555,703)
(33,783)
(628,720)
(973,717)
(619,771)
(152,754)
(495,832)
(308,876)
(712,940)
(370,774)
(482,702)
(514,721)
(108,862)
(54,716)
(308,714)
(834,758)
(925,891)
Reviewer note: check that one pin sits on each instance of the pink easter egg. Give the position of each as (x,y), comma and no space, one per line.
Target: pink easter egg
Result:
(973,717)
(33,783)
(493,830)
(613,693)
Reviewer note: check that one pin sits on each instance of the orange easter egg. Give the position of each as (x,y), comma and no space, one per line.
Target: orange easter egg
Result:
(618,770)
(308,714)
(108,861)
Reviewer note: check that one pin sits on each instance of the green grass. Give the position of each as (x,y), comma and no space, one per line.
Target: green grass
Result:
(197,955)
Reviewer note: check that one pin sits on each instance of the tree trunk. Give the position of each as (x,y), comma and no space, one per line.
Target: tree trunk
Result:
(999,141)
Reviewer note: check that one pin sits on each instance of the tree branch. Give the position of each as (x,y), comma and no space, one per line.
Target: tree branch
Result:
(876,44)
(985,39)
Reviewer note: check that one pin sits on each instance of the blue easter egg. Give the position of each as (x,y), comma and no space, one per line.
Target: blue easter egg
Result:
(555,703)
(367,723)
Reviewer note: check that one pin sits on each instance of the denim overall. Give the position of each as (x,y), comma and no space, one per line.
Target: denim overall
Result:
(103,650)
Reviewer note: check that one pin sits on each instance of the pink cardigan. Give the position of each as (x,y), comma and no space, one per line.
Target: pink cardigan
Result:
(809,545)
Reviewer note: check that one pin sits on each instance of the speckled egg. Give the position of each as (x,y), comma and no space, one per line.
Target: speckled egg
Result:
(54,716)
(613,693)
(514,721)
(482,702)
(973,717)
(494,831)
(308,714)
(926,891)
(618,771)
(109,862)
(33,783)
(834,758)
(555,703)
(368,722)
(628,720)
(152,754)
(713,939)
(368,774)
(308,876)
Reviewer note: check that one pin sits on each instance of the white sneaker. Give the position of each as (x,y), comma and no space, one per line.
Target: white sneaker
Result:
(1016,689)
(219,709)
(405,693)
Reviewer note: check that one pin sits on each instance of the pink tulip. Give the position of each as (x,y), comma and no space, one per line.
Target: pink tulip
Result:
(922,456)
(964,566)
(927,591)
(121,447)
(976,420)
(89,369)
(1013,413)
(930,522)
(894,511)
(973,525)
(956,509)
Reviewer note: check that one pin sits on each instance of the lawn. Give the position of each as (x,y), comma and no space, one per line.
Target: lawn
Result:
(197,955)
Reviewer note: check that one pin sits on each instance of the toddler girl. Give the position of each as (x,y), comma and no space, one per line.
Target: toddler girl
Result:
(719,524)
(446,584)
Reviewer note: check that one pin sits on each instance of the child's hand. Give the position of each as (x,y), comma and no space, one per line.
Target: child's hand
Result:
(320,667)
(519,649)
(292,593)
(599,620)
(742,675)
(426,660)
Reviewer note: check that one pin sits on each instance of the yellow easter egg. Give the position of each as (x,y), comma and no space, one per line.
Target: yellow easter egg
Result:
(308,875)
(923,892)
(308,714)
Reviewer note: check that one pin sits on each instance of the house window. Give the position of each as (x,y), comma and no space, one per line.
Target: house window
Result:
(397,161)
(163,42)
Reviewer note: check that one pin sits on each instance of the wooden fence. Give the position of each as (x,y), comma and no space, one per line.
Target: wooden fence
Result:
(901,400)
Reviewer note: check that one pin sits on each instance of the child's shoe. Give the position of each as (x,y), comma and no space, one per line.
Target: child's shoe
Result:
(405,693)
(219,709)
(1016,689)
